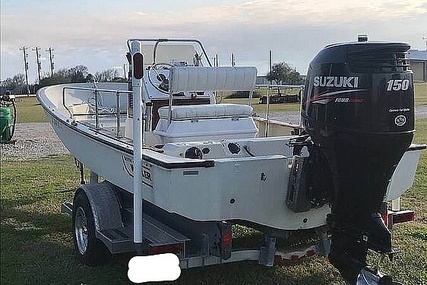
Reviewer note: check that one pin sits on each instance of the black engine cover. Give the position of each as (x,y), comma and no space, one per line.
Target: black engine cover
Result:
(358,108)
(359,88)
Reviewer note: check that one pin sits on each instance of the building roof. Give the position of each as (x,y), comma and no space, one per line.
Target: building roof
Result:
(418,55)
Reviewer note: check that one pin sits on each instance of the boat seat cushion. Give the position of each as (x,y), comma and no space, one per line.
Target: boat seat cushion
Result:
(205,122)
(222,78)
(206,111)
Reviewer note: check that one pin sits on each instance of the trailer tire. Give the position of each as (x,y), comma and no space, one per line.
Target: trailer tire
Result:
(88,249)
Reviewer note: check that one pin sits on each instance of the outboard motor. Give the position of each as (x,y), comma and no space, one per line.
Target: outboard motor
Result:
(358,108)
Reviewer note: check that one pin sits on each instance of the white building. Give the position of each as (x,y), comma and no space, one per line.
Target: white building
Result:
(418,61)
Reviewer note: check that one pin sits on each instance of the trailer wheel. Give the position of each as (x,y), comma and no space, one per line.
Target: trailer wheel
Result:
(89,250)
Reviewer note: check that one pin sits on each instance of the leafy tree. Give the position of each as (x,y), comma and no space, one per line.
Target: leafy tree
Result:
(16,85)
(78,74)
(283,73)
(106,75)
(57,78)
(89,78)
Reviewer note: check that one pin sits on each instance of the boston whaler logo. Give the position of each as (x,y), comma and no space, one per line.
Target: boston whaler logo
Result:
(336,81)
(145,172)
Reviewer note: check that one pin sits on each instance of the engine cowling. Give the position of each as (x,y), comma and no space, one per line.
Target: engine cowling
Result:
(358,108)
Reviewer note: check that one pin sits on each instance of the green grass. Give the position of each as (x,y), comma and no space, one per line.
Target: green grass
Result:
(420,94)
(36,240)
(29,110)
(262,108)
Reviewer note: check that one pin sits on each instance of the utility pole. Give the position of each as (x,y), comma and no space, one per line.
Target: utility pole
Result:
(50,50)
(39,64)
(215,60)
(270,63)
(24,49)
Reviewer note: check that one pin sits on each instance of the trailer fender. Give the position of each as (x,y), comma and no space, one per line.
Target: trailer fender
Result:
(104,204)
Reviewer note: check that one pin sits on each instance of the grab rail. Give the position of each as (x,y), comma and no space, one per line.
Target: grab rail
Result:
(96,95)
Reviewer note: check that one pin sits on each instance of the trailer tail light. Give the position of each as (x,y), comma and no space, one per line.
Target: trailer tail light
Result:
(168,248)
(384,213)
(226,240)
(384,216)
(403,216)
(396,216)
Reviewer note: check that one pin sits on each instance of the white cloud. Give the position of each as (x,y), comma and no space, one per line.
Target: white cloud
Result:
(267,12)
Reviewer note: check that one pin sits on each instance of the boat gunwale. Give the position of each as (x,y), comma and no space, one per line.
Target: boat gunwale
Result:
(119,144)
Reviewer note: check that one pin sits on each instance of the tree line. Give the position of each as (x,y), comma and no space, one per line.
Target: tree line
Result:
(281,73)
(77,74)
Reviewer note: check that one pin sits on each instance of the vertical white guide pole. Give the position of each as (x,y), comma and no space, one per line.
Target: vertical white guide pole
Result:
(395,204)
(137,74)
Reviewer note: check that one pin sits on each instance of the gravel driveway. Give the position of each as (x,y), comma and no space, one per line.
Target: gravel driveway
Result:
(36,140)
(32,141)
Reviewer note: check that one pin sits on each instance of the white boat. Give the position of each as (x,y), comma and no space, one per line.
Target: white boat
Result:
(202,164)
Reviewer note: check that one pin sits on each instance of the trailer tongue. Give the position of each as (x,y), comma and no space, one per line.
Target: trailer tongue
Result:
(358,109)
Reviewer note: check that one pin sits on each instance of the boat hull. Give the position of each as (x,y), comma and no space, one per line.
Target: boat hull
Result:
(229,190)
(251,189)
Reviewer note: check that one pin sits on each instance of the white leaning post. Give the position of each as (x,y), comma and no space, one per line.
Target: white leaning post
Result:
(137,148)
(193,79)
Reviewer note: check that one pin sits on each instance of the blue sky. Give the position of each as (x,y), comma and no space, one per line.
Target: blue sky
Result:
(94,32)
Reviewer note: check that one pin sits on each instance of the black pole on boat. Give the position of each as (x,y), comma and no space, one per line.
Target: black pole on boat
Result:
(137,74)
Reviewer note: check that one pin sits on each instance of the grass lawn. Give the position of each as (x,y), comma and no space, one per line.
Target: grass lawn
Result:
(36,240)
(29,110)
(420,94)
